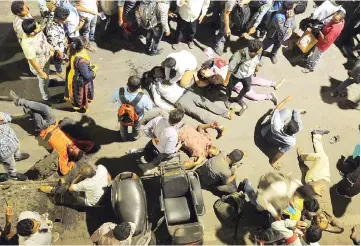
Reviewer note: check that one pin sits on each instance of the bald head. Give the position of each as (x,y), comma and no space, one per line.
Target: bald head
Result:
(87,171)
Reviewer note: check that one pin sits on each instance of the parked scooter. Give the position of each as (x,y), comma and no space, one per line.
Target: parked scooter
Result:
(130,205)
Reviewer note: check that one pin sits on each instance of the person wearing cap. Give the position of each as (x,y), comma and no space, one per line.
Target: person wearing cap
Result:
(281,28)
(10,150)
(219,171)
(56,36)
(242,66)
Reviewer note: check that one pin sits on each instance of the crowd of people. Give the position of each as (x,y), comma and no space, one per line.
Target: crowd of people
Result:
(155,103)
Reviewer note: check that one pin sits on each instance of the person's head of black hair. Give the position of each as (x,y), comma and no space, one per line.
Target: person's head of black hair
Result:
(122,231)
(76,46)
(313,234)
(311,205)
(254,47)
(61,13)
(134,83)
(288,4)
(216,79)
(306,191)
(29,26)
(25,227)
(291,128)
(170,62)
(176,115)
(19,8)
(236,155)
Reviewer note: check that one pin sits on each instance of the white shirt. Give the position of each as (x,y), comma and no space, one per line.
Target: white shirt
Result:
(247,66)
(192,9)
(89,5)
(326,9)
(286,227)
(38,238)
(185,61)
(167,135)
(93,187)
(171,93)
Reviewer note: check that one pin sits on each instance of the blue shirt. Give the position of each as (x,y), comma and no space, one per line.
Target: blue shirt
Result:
(144,104)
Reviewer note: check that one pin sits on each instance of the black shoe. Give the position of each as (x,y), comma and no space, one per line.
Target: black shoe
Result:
(321,132)
(242,185)
(156,52)
(14,97)
(19,177)
(23,156)
(274,59)
(4,177)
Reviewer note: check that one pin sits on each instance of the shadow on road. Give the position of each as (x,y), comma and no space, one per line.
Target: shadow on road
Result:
(339,203)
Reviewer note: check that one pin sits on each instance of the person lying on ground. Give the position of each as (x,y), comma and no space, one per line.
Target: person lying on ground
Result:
(319,177)
(35,229)
(193,104)
(197,143)
(212,74)
(219,171)
(88,192)
(164,139)
(10,150)
(69,149)
(274,192)
(295,230)
(280,131)
(112,234)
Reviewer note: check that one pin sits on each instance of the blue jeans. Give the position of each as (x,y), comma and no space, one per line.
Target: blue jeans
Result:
(44,83)
(154,35)
(88,29)
(268,42)
(344,85)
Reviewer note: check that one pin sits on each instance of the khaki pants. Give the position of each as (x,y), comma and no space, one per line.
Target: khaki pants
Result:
(187,79)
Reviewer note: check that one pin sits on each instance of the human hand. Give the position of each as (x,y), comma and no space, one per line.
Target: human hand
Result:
(120,22)
(167,33)
(228,31)
(276,166)
(214,124)
(301,225)
(251,30)
(172,15)
(156,140)
(201,19)
(9,214)
(60,55)
(43,75)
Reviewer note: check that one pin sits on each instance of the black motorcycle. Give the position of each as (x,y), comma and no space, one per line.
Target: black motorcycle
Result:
(130,205)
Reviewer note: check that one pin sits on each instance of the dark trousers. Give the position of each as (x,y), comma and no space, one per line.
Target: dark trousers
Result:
(42,114)
(246,82)
(186,28)
(154,35)
(268,42)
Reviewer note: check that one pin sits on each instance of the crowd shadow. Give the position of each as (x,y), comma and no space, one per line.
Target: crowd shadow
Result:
(339,203)
(259,140)
(326,97)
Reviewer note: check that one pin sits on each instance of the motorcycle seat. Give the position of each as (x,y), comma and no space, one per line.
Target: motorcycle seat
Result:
(177,210)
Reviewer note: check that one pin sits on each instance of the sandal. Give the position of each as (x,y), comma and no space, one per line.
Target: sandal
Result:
(335,139)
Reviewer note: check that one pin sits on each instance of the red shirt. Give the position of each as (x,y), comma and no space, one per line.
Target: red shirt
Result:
(331,32)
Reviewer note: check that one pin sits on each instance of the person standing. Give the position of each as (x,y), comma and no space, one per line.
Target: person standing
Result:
(241,68)
(132,97)
(10,150)
(55,32)
(281,29)
(88,11)
(326,37)
(191,12)
(79,89)
(280,131)
(38,53)
(21,10)
(354,78)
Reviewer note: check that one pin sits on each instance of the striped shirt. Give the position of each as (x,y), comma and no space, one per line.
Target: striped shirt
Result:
(9,143)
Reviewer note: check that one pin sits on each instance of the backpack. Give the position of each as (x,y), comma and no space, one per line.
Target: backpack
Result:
(145,14)
(127,115)
(240,15)
(228,208)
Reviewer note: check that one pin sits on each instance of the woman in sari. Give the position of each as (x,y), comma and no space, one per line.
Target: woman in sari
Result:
(79,89)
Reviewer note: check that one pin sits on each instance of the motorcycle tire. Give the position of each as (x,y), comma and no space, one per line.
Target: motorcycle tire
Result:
(196,186)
